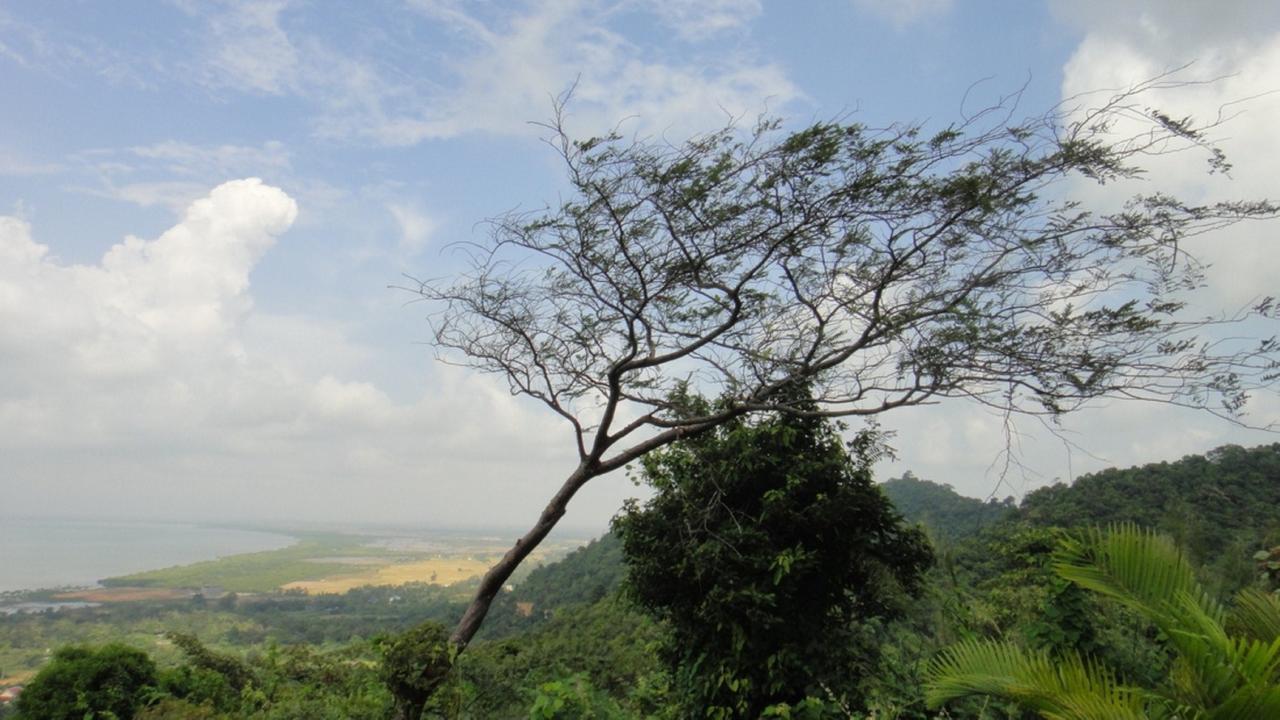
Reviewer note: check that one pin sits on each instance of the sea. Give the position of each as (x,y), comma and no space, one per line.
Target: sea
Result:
(40,553)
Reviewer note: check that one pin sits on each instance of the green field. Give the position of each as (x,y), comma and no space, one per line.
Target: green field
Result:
(311,558)
(321,556)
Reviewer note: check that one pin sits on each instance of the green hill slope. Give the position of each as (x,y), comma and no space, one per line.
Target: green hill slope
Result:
(1227,498)
(948,515)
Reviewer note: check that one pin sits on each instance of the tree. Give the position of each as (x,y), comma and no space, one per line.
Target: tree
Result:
(881,268)
(414,664)
(1227,664)
(764,545)
(81,681)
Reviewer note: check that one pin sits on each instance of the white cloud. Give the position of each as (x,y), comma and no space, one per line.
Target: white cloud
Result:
(1235,47)
(174,174)
(16,164)
(901,13)
(515,68)
(247,48)
(416,227)
(695,20)
(498,69)
(1173,30)
(146,301)
(1230,75)
(149,380)
(60,54)
(180,158)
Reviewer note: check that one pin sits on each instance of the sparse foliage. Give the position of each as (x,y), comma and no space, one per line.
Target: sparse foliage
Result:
(880,268)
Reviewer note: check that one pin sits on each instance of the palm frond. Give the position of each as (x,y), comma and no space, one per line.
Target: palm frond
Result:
(1217,673)
(1062,688)
(1250,703)
(1256,614)
(1136,567)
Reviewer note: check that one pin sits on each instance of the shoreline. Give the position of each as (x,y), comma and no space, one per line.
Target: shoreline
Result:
(47,555)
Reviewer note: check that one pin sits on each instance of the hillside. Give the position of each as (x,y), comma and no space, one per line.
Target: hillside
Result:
(584,576)
(948,515)
(1228,497)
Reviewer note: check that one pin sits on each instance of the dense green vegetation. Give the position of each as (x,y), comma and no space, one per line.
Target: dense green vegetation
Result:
(764,550)
(1220,506)
(588,574)
(1225,664)
(568,644)
(947,515)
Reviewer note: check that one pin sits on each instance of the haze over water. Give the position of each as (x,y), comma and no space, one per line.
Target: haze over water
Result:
(45,553)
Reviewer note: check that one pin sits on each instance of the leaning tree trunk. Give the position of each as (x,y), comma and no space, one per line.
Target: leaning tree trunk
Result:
(493,581)
(590,466)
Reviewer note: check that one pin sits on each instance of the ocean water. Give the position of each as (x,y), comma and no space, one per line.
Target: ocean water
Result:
(49,553)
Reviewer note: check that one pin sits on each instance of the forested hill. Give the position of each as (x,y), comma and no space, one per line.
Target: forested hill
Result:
(1210,503)
(563,643)
(948,515)
(1205,501)
(1220,506)
(584,576)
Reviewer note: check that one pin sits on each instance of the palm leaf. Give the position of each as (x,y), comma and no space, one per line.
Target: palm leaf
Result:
(1250,703)
(1138,568)
(1216,674)
(1256,614)
(1064,688)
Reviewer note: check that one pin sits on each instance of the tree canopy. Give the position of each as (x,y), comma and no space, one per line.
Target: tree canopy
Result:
(878,267)
(84,681)
(763,547)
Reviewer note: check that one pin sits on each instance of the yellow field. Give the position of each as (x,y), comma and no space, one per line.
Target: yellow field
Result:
(440,571)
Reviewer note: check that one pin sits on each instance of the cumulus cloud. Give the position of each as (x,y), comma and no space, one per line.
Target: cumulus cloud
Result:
(1173,29)
(1228,75)
(148,303)
(149,380)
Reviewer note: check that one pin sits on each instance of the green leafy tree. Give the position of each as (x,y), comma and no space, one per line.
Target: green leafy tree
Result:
(763,545)
(880,267)
(1226,662)
(607,644)
(414,664)
(112,681)
(573,698)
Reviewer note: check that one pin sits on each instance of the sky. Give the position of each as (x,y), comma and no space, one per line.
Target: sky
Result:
(206,207)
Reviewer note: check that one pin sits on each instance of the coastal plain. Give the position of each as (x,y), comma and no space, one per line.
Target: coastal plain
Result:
(326,562)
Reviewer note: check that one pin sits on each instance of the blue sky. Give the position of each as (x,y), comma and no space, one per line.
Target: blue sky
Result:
(180,340)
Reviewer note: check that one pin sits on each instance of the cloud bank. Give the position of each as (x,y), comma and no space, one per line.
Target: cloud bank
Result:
(152,372)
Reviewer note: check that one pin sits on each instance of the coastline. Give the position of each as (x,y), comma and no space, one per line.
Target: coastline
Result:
(45,556)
